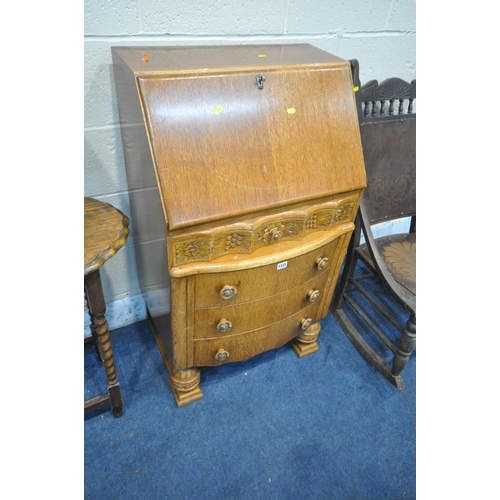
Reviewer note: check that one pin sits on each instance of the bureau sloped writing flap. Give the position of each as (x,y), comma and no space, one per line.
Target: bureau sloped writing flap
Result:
(222,146)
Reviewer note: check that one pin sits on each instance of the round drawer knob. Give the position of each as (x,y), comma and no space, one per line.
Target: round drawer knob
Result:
(321,262)
(313,295)
(221,355)
(224,325)
(306,323)
(228,292)
(275,234)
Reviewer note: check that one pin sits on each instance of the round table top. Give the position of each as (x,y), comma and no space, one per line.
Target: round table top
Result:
(106,231)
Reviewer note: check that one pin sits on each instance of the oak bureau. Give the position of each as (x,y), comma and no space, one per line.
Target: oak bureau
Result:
(245,173)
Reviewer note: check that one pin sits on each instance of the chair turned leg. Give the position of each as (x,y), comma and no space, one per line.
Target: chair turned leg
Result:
(406,346)
(99,326)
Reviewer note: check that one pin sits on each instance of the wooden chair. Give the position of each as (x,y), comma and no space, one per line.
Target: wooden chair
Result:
(388,133)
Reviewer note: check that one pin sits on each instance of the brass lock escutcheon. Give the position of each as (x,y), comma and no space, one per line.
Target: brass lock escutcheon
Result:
(228,292)
(260,81)
(224,325)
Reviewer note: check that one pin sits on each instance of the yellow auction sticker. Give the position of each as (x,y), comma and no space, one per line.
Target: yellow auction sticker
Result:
(291,111)
(217,110)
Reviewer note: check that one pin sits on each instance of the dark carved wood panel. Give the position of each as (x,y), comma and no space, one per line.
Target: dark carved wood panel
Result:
(391,98)
(390,159)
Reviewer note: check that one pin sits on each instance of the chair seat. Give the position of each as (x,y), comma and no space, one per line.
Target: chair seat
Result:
(399,253)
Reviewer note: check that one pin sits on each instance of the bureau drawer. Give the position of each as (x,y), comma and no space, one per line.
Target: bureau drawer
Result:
(230,320)
(254,284)
(246,345)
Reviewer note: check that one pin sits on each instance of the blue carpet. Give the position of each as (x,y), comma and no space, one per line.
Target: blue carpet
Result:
(277,427)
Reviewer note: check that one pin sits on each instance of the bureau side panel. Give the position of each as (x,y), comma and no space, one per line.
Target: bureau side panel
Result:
(137,154)
(343,242)
(148,223)
(180,344)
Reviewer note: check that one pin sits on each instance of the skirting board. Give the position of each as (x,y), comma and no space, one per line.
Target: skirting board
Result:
(131,309)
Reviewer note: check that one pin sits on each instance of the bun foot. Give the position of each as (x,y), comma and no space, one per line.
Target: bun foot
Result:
(305,343)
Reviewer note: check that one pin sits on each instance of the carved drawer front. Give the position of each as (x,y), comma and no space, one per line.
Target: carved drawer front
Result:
(229,348)
(255,284)
(216,322)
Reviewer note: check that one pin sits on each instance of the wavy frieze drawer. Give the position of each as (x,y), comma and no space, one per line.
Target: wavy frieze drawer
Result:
(266,281)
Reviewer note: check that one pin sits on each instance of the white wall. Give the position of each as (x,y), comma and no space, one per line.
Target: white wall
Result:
(381,34)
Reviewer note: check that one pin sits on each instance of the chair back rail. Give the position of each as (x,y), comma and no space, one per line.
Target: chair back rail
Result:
(387,116)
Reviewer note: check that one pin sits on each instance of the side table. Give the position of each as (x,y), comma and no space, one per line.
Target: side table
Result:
(106,231)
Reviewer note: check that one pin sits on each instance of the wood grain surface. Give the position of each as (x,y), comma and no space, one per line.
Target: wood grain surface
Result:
(106,231)
(259,171)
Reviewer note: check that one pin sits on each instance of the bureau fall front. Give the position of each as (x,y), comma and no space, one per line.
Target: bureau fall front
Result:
(245,172)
